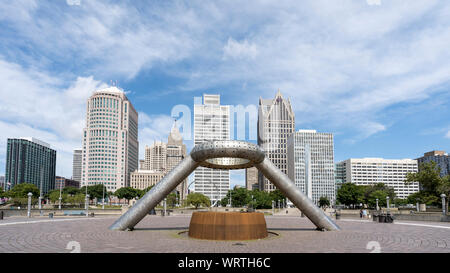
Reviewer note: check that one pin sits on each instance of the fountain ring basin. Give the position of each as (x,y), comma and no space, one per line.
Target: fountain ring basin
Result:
(227,154)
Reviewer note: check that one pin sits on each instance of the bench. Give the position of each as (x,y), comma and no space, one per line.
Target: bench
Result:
(75,212)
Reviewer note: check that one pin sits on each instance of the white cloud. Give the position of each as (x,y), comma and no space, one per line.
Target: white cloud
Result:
(37,105)
(108,39)
(447,135)
(236,50)
(153,128)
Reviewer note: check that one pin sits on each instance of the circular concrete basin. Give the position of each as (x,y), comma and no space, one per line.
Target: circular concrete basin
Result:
(212,225)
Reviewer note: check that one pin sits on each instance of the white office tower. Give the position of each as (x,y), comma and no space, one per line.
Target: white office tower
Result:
(155,156)
(76,164)
(276,122)
(211,122)
(162,157)
(311,164)
(110,140)
(370,171)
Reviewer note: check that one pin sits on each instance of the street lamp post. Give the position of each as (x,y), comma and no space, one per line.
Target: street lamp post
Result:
(29,204)
(165,206)
(273,207)
(377,204)
(387,204)
(417,205)
(103,200)
(444,209)
(60,192)
(87,205)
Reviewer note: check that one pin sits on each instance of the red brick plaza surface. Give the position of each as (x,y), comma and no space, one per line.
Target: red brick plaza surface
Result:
(162,234)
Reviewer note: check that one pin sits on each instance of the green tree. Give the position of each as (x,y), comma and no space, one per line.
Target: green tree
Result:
(126,193)
(141,193)
(368,190)
(22,190)
(2,193)
(277,196)
(171,200)
(400,201)
(432,185)
(428,177)
(350,194)
(324,201)
(54,196)
(95,191)
(444,187)
(77,199)
(239,197)
(71,190)
(197,199)
(374,195)
(261,199)
(423,198)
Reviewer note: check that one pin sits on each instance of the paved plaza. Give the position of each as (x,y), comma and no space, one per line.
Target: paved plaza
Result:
(162,234)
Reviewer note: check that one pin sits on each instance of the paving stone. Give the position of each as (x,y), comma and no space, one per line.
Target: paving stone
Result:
(161,234)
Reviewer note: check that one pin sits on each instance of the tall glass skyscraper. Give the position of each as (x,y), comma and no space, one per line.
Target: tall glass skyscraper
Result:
(110,140)
(29,160)
(276,122)
(211,122)
(311,164)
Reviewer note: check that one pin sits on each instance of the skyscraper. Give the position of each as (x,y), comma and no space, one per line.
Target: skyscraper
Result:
(161,158)
(276,122)
(76,164)
(311,164)
(2,182)
(251,178)
(156,156)
(29,160)
(110,140)
(211,122)
(176,152)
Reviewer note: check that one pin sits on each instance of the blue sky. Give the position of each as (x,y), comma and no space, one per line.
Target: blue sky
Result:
(375,75)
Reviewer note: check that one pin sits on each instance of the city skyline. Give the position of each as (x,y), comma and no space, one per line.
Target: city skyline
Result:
(357,81)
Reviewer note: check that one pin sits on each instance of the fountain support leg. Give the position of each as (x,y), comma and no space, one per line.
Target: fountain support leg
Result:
(303,203)
(155,195)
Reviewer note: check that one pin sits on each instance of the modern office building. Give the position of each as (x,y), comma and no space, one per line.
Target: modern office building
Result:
(251,178)
(441,158)
(156,156)
(211,122)
(370,171)
(110,140)
(339,174)
(162,157)
(142,164)
(29,160)
(176,152)
(76,164)
(276,122)
(62,182)
(311,164)
(2,182)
